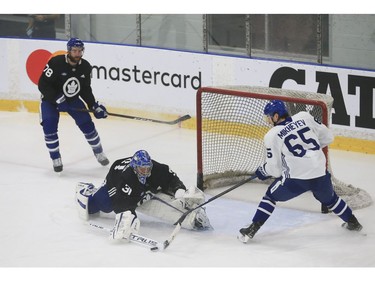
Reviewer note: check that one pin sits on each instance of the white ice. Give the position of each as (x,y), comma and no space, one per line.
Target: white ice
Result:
(40,227)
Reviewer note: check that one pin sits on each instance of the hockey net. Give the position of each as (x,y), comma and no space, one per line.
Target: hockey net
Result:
(230,131)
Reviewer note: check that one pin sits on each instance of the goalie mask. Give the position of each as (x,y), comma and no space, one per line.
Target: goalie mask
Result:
(142,165)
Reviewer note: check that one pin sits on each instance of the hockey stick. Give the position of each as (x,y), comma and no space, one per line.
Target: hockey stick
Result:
(135,238)
(173,122)
(167,242)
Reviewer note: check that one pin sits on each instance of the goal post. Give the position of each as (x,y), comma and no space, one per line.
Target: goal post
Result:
(230,131)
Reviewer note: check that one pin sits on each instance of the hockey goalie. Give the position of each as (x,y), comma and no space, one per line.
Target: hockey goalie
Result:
(141,184)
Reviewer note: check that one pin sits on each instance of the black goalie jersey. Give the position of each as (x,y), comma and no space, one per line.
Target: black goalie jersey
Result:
(125,190)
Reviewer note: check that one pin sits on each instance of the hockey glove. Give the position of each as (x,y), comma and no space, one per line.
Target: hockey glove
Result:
(190,198)
(261,173)
(146,197)
(62,104)
(99,111)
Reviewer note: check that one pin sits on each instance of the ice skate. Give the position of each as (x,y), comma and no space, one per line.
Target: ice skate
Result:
(352,224)
(102,159)
(85,188)
(248,233)
(57,165)
(83,192)
(201,221)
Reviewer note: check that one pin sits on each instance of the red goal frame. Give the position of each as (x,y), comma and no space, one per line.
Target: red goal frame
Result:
(201,91)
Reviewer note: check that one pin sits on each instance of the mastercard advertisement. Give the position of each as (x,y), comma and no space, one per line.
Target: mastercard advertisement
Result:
(162,80)
(121,75)
(36,62)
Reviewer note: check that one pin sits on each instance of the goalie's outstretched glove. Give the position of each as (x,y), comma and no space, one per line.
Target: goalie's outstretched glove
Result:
(99,111)
(261,173)
(190,198)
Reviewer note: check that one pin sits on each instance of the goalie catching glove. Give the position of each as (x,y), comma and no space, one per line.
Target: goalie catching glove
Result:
(190,198)
(126,224)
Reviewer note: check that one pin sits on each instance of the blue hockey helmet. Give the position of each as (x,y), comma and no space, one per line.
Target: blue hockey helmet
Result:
(142,165)
(75,42)
(276,106)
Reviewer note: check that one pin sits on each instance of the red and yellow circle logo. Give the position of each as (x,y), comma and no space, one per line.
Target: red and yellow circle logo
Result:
(36,62)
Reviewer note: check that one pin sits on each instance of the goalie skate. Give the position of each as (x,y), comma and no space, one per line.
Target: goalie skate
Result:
(201,221)
(83,191)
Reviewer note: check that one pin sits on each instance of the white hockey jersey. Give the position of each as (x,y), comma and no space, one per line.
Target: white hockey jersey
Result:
(294,148)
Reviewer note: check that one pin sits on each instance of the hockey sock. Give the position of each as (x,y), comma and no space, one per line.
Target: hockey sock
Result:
(51,137)
(52,143)
(264,210)
(92,136)
(340,208)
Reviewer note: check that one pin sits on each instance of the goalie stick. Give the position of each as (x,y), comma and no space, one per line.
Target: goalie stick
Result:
(135,238)
(167,242)
(173,122)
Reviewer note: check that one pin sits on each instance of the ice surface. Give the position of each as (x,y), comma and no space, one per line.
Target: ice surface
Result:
(40,227)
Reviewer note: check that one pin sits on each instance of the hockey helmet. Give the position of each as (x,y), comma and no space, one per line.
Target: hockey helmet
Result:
(142,165)
(75,42)
(275,106)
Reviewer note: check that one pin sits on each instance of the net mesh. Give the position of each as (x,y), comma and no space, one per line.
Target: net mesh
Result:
(231,130)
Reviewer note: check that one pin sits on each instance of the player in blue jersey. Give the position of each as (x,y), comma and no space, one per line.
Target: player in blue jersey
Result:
(296,159)
(65,86)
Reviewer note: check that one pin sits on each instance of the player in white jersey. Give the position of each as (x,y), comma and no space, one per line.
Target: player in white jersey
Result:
(296,159)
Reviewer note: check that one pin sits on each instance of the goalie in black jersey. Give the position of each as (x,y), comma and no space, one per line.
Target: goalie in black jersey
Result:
(65,86)
(143,184)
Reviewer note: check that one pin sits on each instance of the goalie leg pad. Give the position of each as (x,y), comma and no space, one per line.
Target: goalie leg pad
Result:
(197,219)
(169,213)
(157,209)
(126,224)
(82,205)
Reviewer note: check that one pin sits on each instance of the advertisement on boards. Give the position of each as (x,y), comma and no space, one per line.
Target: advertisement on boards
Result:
(167,81)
